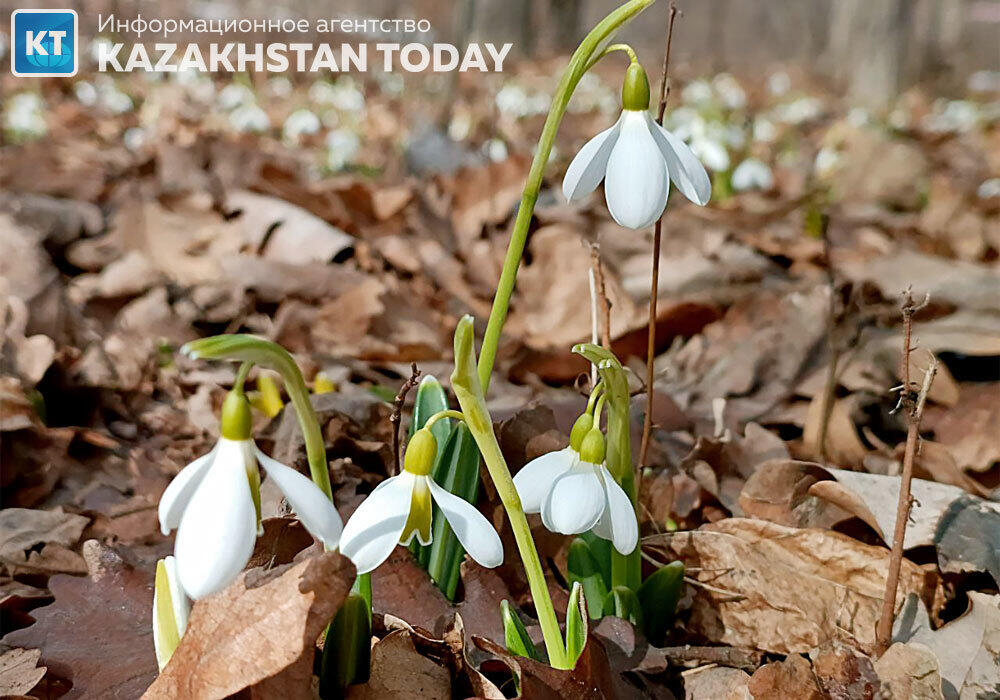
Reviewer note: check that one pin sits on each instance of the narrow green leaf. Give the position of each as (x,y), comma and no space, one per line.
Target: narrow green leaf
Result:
(622,602)
(658,596)
(576,623)
(347,650)
(601,551)
(457,472)
(515,636)
(583,569)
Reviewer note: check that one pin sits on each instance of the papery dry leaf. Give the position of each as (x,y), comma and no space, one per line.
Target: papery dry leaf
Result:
(909,672)
(485,194)
(844,674)
(18,673)
(284,232)
(400,672)
(786,590)
(968,429)
(967,649)
(262,624)
(843,446)
(717,683)
(781,680)
(22,529)
(111,610)
(779,491)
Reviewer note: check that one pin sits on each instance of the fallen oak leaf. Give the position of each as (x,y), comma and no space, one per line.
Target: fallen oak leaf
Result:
(111,609)
(262,624)
(400,672)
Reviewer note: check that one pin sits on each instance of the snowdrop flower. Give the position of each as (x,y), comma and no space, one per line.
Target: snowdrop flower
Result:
(575,492)
(249,118)
(235,95)
(299,122)
(25,115)
(342,145)
(637,159)
(214,504)
(171,608)
(400,508)
(752,174)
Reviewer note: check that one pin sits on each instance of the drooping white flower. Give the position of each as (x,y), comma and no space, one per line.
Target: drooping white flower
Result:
(171,607)
(400,508)
(637,159)
(575,492)
(214,505)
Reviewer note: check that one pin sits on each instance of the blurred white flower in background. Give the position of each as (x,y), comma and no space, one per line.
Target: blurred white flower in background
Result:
(113,99)
(798,111)
(730,91)
(989,188)
(764,130)
(697,92)
(235,95)
(86,93)
(250,117)
(460,125)
(24,116)
(827,160)
(779,83)
(515,100)
(347,97)
(279,86)
(952,116)
(752,174)
(858,117)
(593,94)
(980,81)
(134,138)
(97,44)
(342,145)
(300,123)
(195,83)
(495,150)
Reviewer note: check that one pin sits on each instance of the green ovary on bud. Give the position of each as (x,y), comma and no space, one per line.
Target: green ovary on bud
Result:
(592,447)
(237,420)
(580,429)
(420,453)
(635,88)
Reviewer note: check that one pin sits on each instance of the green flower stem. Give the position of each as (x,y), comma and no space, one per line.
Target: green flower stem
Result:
(248,348)
(578,65)
(610,50)
(448,413)
(241,376)
(465,383)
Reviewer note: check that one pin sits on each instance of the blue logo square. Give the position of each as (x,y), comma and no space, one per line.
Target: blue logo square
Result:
(43,43)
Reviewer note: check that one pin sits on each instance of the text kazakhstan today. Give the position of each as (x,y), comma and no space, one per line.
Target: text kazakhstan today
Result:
(279,57)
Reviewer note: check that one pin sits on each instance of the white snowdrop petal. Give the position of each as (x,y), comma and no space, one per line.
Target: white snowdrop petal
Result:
(219,526)
(374,530)
(179,491)
(621,524)
(636,185)
(473,530)
(576,501)
(686,171)
(588,167)
(313,508)
(534,481)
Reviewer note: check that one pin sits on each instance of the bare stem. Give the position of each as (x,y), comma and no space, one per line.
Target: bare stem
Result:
(647,421)
(914,405)
(830,384)
(603,304)
(397,411)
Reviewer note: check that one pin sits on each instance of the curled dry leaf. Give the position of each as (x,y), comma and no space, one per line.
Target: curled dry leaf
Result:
(23,529)
(909,672)
(262,624)
(785,590)
(717,683)
(18,673)
(110,608)
(791,678)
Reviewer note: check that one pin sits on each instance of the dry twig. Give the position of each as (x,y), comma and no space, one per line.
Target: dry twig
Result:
(397,412)
(647,423)
(913,402)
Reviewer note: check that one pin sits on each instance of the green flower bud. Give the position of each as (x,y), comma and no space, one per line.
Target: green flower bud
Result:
(580,429)
(420,453)
(237,420)
(635,89)
(592,448)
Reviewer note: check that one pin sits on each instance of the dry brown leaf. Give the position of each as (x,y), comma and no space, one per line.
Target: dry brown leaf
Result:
(843,446)
(18,671)
(400,672)
(781,680)
(22,529)
(844,674)
(968,429)
(262,624)
(717,683)
(779,491)
(485,194)
(909,672)
(785,590)
(111,610)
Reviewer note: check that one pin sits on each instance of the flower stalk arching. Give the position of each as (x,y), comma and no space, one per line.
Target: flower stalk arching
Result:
(578,65)
(248,348)
(469,392)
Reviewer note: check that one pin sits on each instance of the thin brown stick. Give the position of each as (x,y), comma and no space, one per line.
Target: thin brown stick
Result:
(647,421)
(830,385)
(603,304)
(397,412)
(913,402)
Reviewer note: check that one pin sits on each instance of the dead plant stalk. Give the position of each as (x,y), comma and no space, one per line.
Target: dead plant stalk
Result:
(647,422)
(913,403)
